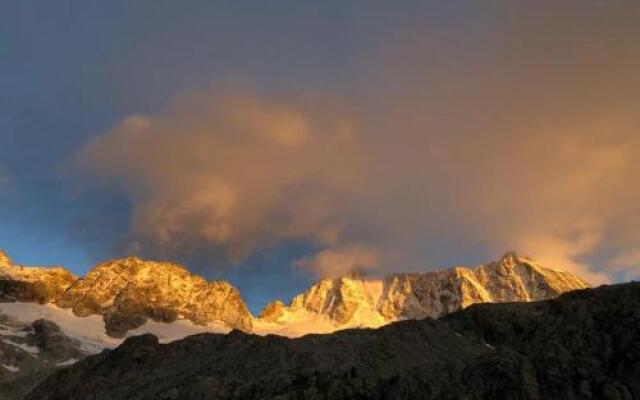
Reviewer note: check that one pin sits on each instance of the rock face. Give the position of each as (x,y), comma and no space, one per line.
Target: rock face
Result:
(128,291)
(5,261)
(372,302)
(340,299)
(273,311)
(511,279)
(28,353)
(582,345)
(32,284)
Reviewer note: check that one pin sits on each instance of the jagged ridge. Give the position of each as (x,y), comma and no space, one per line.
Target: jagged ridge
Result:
(129,291)
(356,301)
(32,284)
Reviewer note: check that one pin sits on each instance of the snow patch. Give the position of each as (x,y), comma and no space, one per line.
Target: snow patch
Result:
(168,332)
(11,368)
(90,331)
(13,332)
(68,362)
(22,346)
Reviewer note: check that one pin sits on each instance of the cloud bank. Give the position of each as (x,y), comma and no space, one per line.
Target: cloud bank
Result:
(526,139)
(229,173)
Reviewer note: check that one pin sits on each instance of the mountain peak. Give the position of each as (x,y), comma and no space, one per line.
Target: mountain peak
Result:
(132,266)
(356,301)
(4,259)
(128,291)
(273,311)
(511,258)
(32,284)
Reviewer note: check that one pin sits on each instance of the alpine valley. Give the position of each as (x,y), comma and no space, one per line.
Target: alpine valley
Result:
(50,319)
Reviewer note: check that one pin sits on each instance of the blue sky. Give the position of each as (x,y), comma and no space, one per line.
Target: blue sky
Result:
(71,70)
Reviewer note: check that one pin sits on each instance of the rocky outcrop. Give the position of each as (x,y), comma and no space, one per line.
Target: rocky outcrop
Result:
(32,284)
(431,294)
(273,311)
(129,291)
(28,353)
(582,345)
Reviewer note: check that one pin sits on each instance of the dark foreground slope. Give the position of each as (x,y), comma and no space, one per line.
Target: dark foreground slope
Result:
(583,345)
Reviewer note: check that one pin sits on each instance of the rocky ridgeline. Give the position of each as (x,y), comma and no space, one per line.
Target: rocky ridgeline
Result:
(128,291)
(32,284)
(431,294)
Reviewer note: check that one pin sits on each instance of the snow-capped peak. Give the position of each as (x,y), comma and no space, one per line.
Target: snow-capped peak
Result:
(5,261)
(353,301)
(128,291)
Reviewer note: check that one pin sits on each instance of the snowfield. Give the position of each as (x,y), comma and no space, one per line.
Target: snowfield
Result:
(90,332)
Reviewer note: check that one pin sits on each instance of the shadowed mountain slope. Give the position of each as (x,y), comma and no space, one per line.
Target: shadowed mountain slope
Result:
(582,345)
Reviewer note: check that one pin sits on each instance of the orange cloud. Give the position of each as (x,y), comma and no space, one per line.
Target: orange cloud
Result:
(234,171)
(340,261)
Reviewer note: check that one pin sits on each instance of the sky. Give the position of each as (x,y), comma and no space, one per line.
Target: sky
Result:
(273,143)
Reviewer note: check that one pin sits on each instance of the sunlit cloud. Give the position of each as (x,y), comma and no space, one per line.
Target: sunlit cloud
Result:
(234,172)
(340,261)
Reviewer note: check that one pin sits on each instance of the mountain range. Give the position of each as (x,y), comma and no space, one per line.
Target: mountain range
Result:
(128,292)
(130,296)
